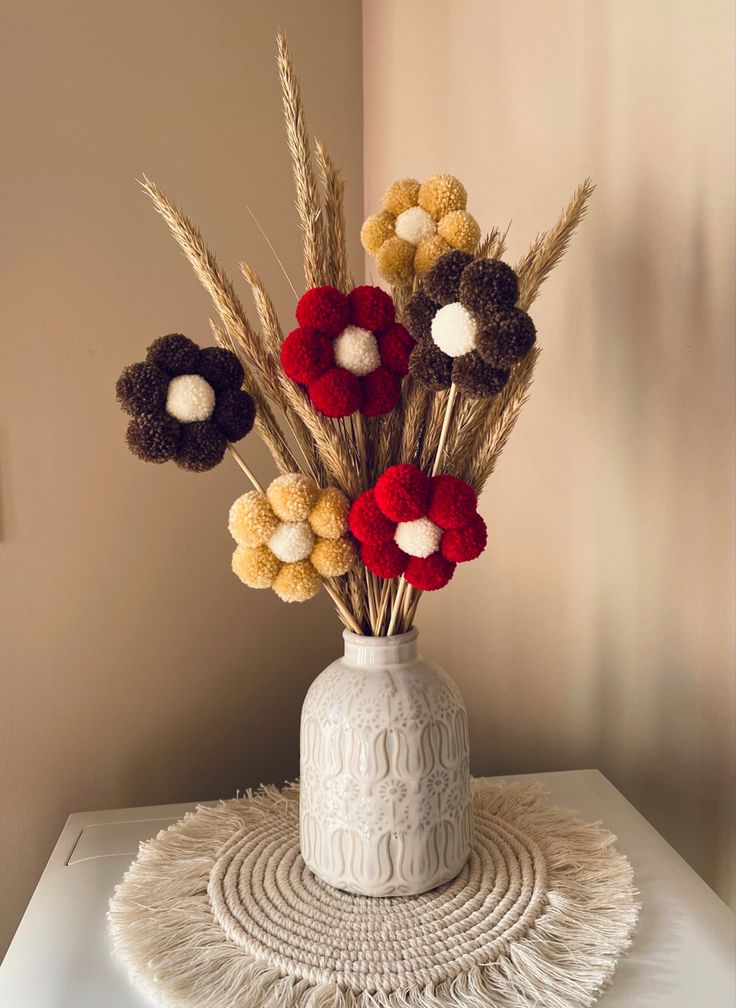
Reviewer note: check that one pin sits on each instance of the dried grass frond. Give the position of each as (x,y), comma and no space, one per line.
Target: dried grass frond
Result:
(434,418)
(481,457)
(307,193)
(549,247)
(210,273)
(415,410)
(266,425)
(336,254)
(493,244)
(326,447)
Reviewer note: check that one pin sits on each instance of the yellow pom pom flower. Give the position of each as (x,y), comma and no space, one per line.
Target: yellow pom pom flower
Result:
(291,537)
(418,224)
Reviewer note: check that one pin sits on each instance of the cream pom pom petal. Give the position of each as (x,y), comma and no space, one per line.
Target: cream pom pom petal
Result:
(291,537)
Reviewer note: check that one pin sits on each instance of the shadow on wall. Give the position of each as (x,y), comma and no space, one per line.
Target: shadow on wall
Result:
(656,531)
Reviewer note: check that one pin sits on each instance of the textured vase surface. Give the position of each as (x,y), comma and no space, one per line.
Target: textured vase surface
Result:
(385,804)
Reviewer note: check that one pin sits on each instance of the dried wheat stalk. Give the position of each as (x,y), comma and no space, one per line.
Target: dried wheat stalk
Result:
(266,424)
(336,254)
(322,442)
(549,247)
(307,194)
(481,431)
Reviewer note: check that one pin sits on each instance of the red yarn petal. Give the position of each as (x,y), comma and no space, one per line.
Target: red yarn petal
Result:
(306,354)
(368,523)
(371,308)
(429,573)
(452,502)
(336,393)
(402,492)
(385,560)
(323,308)
(395,347)
(462,544)
(381,391)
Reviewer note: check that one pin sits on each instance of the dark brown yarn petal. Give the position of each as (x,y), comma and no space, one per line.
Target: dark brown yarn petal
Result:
(418,314)
(201,446)
(442,280)
(430,366)
(234,413)
(221,368)
(486,286)
(477,379)
(175,354)
(509,335)
(142,388)
(153,437)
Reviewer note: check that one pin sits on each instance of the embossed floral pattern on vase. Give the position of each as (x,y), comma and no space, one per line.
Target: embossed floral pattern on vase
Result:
(385,786)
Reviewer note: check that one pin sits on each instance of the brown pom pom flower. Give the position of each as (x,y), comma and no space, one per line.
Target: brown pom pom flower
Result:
(186,403)
(417,225)
(467,326)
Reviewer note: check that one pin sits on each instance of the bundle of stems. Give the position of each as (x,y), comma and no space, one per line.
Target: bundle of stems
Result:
(438,431)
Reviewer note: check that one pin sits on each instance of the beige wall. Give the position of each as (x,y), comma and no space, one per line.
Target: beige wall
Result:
(598,628)
(135,668)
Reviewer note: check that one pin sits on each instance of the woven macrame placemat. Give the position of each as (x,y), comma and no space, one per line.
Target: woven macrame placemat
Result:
(220,911)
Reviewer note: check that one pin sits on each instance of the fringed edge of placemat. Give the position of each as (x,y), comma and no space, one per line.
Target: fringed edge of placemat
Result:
(565,960)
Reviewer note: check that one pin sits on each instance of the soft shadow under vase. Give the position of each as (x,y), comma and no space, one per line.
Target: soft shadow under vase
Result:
(385,804)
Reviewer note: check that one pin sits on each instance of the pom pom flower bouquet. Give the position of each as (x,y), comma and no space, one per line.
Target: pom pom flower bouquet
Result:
(384,409)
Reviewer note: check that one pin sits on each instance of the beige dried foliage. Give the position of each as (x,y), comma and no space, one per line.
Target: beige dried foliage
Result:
(439,431)
(414,413)
(549,247)
(324,444)
(307,193)
(480,460)
(433,420)
(336,254)
(266,425)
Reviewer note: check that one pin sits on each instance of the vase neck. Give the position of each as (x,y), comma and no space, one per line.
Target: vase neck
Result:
(365,652)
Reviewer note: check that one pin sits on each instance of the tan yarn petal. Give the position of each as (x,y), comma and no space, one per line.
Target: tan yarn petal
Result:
(441,194)
(292,496)
(395,260)
(297,582)
(329,517)
(460,229)
(333,557)
(400,196)
(428,252)
(251,521)
(377,229)
(256,566)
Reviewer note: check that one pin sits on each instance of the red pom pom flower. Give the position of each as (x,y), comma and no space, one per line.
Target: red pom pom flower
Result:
(417,525)
(348,351)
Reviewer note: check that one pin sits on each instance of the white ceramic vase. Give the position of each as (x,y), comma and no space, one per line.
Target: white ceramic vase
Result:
(384,782)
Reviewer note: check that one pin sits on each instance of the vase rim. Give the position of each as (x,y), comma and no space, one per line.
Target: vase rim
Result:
(365,640)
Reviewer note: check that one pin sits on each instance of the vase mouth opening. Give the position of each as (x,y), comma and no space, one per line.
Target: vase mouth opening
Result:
(365,640)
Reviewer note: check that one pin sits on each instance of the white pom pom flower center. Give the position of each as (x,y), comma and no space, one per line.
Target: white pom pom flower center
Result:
(418,538)
(454,330)
(190,398)
(292,541)
(356,350)
(415,224)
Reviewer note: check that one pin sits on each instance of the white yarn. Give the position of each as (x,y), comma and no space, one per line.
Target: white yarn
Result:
(356,350)
(418,538)
(190,398)
(539,916)
(292,541)
(415,224)
(454,329)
